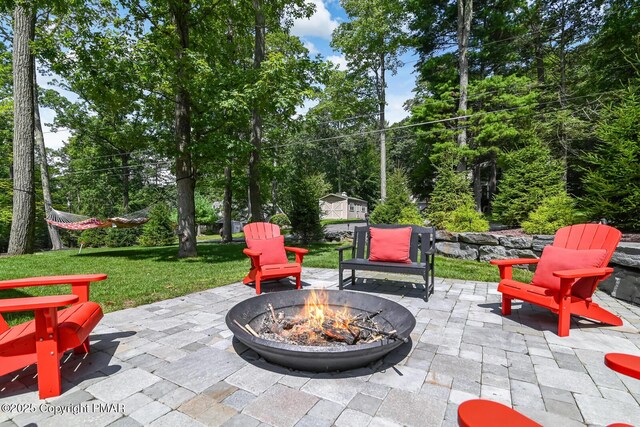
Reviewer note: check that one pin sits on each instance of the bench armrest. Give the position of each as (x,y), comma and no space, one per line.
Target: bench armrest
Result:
(583,272)
(74,279)
(35,303)
(342,248)
(341,252)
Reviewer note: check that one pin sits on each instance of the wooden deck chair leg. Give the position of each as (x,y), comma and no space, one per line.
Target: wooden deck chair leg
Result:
(340,279)
(506,305)
(353,277)
(251,277)
(298,283)
(83,348)
(595,312)
(564,316)
(257,280)
(48,362)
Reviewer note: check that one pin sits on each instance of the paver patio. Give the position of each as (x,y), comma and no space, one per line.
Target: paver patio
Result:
(175,363)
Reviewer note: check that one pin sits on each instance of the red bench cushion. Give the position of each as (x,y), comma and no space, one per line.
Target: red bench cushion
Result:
(272,250)
(556,259)
(74,326)
(390,244)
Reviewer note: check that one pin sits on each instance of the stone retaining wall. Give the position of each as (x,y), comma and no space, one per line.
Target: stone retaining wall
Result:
(624,283)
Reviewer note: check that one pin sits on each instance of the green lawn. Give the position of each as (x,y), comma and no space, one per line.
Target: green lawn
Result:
(205,237)
(139,275)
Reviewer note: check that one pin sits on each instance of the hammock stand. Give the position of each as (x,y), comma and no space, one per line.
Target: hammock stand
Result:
(71,221)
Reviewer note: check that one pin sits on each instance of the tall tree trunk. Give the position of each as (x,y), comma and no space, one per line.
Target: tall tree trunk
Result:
(465,10)
(477,185)
(226,208)
(493,179)
(185,175)
(564,143)
(256,120)
(539,54)
(124,158)
(23,220)
(54,235)
(274,186)
(383,137)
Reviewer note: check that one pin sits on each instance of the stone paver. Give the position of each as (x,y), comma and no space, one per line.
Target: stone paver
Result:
(174,363)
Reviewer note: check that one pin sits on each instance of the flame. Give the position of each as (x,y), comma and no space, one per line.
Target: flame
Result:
(317,310)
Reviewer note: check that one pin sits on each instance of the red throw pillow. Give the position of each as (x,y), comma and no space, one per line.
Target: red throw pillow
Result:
(390,244)
(272,250)
(557,259)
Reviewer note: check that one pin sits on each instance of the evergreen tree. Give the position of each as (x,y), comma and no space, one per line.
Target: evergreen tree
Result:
(159,230)
(304,213)
(398,207)
(451,206)
(531,174)
(612,183)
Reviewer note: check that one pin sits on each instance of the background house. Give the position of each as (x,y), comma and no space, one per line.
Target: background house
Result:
(341,206)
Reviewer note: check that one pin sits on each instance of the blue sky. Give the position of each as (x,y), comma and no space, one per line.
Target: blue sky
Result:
(315,32)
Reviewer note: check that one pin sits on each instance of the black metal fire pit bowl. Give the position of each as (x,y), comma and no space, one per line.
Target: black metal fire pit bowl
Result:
(320,358)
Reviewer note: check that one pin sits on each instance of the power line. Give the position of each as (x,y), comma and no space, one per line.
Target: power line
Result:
(467,116)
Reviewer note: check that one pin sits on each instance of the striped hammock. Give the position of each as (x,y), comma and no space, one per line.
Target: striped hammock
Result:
(70,221)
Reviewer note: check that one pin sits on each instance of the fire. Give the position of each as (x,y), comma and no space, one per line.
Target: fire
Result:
(316,311)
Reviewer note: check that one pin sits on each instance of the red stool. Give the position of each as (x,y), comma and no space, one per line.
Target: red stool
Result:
(626,364)
(486,413)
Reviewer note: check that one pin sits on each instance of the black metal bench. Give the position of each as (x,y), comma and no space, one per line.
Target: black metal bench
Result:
(423,242)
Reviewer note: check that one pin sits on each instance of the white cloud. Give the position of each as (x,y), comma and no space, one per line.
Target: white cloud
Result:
(313,50)
(395,107)
(320,24)
(339,60)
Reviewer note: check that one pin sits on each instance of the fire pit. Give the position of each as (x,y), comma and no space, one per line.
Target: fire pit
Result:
(320,330)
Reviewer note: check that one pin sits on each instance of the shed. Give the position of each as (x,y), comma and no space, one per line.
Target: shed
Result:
(341,206)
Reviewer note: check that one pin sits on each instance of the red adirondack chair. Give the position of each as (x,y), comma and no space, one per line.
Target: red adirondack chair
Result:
(45,339)
(261,271)
(576,285)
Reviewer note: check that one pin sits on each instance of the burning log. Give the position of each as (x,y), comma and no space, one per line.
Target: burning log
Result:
(339,333)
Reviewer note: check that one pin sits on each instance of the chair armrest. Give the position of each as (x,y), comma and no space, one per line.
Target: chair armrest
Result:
(513,261)
(74,279)
(35,303)
(583,272)
(300,253)
(251,253)
(296,250)
(342,248)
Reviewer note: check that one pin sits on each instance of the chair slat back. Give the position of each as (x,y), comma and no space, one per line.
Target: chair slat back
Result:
(3,325)
(360,241)
(588,236)
(261,230)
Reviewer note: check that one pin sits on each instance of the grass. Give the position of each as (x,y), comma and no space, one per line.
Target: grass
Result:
(139,275)
(204,237)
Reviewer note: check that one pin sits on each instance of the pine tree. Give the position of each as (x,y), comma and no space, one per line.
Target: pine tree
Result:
(398,207)
(531,175)
(304,213)
(159,230)
(612,183)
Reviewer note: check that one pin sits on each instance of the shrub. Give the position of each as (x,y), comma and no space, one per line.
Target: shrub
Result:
(281,220)
(305,192)
(159,230)
(466,219)
(553,213)
(121,237)
(398,205)
(93,238)
(531,175)
(612,183)
(451,206)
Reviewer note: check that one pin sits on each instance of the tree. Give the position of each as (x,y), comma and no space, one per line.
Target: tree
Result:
(398,208)
(373,41)
(531,174)
(23,219)
(304,212)
(612,179)
(465,12)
